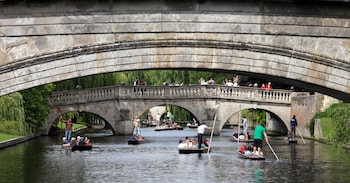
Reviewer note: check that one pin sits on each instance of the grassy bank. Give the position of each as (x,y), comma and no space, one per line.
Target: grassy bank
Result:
(4,137)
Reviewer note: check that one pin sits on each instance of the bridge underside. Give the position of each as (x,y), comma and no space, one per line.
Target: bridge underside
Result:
(53,42)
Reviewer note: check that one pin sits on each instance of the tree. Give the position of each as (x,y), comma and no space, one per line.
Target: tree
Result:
(12,115)
(36,106)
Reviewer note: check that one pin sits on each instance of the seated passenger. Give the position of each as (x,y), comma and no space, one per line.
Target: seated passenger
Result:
(181,145)
(132,137)
(241,136)
(243,148)
(137,137)
(79,141)
(189,143)
(73,142)
(86,140)
(206,143)
(65,142)
(234,136)
(246,149)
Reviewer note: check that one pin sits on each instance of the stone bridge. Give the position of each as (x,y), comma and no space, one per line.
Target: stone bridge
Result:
(302,43)
(119,104)
(305,44)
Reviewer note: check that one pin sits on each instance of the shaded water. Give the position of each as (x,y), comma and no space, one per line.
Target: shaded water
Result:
(157,160)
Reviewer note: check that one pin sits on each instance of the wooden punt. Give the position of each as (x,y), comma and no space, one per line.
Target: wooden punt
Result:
(135,142)
(192,126)
(192,150)
(85,147)
(241,155)
(243,141)
(292,141)
(170,128)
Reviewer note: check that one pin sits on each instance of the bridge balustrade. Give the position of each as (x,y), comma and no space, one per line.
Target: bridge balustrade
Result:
(170,92)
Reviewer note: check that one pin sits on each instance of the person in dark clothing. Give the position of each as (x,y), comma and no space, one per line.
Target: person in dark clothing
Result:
(293,124)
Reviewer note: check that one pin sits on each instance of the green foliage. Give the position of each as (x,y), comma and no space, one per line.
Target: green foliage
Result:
(12,107)
(255,115)
(14,128)
(12,115)
(327,127)
(339,116)
(36,104)
(99,80)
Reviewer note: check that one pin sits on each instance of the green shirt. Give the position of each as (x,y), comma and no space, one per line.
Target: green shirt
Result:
(259,132)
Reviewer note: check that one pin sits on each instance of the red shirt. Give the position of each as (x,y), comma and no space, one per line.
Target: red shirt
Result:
(69,124)
(242,149)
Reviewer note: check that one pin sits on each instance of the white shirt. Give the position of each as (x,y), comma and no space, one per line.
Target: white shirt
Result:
(182,146)
(201,129)
(245,124)
(158,117)
(229,84)
(136,122)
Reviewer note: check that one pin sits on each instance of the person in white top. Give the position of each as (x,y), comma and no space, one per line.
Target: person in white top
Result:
(181,145)
(158,119)
(200,132)
(245,127)
(229,83)
(136,126)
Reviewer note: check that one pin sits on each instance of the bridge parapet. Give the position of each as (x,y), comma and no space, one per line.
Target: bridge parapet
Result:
(171,92)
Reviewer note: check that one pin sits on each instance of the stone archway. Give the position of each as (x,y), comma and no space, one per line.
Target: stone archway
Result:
(306,50)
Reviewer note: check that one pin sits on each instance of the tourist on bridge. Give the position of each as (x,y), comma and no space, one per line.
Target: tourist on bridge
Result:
(293,124)
(269,86)
(211,81)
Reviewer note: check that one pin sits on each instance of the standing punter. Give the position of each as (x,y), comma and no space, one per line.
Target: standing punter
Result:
(293,124)
(200,131)
(259,135)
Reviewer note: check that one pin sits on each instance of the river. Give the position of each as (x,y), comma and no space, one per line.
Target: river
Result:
(158,160)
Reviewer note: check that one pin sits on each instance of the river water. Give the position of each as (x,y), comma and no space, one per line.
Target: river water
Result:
(157,160)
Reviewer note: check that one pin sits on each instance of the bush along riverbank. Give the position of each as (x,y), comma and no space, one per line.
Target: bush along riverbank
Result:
(335,123)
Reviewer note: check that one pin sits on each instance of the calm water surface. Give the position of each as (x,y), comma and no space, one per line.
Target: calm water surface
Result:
(157,160)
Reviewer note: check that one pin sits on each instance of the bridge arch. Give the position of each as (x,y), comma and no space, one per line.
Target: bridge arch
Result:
(197,109)
(278,113)
(55,116)
(56,112)
(307,49)
(284,64)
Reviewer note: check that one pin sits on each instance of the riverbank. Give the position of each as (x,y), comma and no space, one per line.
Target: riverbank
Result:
(18,140)
(15,141)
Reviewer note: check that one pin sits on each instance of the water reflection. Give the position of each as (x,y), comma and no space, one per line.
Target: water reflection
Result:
(259,171)
(157,160)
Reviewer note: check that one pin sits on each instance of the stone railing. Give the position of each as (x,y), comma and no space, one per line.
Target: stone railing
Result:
(171,92)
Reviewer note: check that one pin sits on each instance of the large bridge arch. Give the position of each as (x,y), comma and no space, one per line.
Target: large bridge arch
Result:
(54,115)
(58,41)
(201,109)
(107,110)
(236,107)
